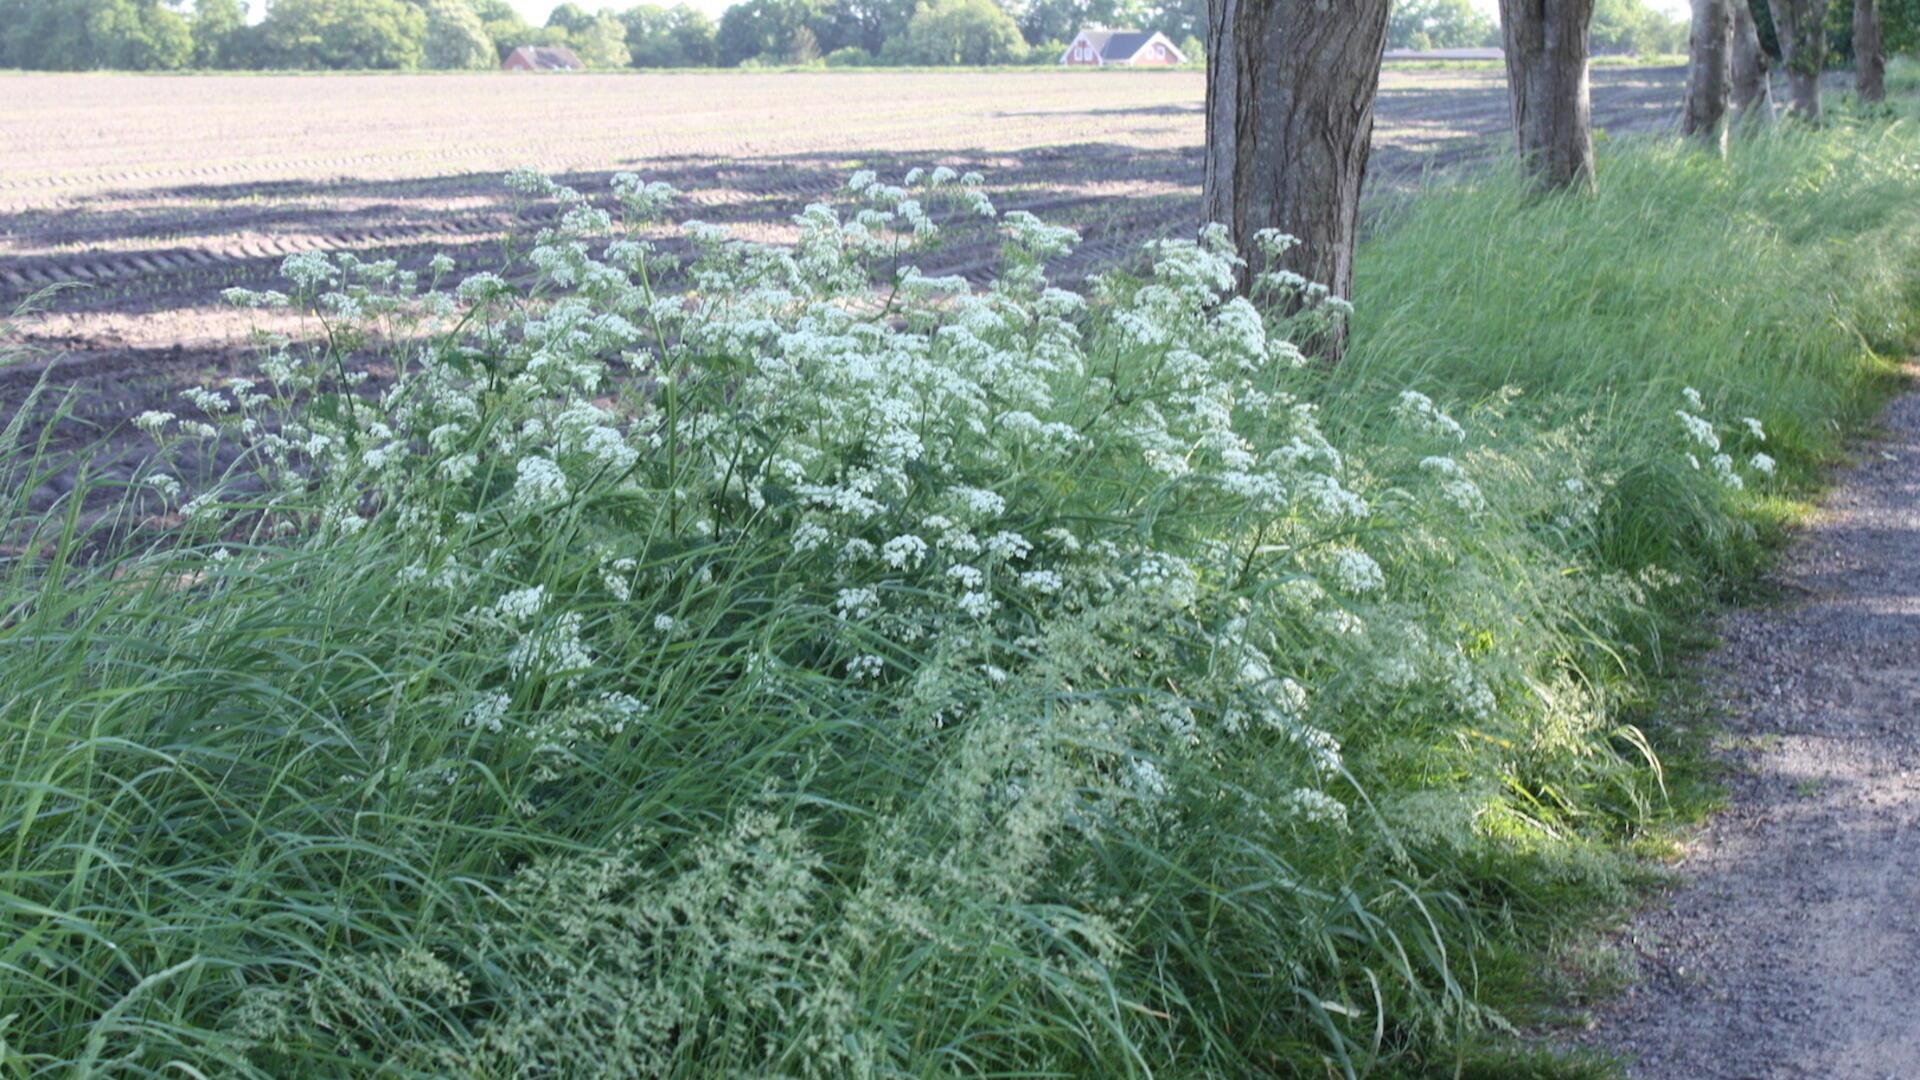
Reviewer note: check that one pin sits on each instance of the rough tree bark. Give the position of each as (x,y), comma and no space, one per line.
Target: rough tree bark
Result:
(1710,71)
(1752,95)
(1290,94)
(1870,61)
(1546,43)
(1800,25)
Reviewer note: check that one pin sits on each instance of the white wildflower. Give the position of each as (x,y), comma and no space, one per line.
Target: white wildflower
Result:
(490,712)
(1148,781)
(1469,693)
(1723,467)
(903,551)
(1044,582)
(1009,545)
(206,400)
(978,605)
(557,649)
(521,604)
(980,502)
(1317,808)
(1699,430)
(1418,411)
(810,536)
(856,603)
(539,483)
(201,508)
(616,575)
(1455,487)
(1354,571)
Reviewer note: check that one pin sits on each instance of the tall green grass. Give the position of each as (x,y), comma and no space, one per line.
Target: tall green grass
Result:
(1780,282)
(247,829)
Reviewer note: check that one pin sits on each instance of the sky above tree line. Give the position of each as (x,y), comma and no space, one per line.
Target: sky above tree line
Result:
(536,11)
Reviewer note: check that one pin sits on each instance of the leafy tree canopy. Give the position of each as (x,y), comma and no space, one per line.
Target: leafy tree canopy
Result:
(220,35)
(767,28)
(963,32)
(1631,26)
(1060,20)
(85,35)
(456,38)
(338,34)
(660,37)
(602,43)
(1440,24)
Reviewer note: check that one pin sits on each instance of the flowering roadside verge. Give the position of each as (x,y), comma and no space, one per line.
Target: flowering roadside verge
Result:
(754,660)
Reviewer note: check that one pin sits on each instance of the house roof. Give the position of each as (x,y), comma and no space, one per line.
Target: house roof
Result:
(1116,45)
(546,57)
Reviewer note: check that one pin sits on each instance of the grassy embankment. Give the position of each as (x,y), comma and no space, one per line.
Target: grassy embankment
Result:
(314,782)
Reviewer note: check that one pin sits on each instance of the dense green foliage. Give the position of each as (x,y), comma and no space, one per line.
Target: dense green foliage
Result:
(960,32)
(1440,24)
(1631,26)
(1016,683)
(219,31)
(601,43)
(674,37)
(1899,28)
(456,38)
(316,34)
(332,34)
(78,35)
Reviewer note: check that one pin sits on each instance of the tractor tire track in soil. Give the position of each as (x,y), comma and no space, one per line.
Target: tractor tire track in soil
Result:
(151,224)
(1791,949)
(150,247)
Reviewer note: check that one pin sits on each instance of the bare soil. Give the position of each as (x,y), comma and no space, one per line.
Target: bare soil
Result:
(157,192)
(144,196)
(1792,947)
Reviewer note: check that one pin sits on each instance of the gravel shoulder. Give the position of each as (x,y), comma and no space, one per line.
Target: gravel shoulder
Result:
(1791,947)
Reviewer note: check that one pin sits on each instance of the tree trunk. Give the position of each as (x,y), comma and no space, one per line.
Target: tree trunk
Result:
(1290,94)
(1710,71)
(1870,62)
(1546,43)
(1800,26)
(1752,94)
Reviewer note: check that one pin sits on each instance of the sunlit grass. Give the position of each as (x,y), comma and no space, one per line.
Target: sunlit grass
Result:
(249,821)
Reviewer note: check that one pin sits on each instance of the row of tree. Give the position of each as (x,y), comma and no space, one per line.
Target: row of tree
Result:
(72,35)
(1735,43)
(157,35)
(1291,86)
(1617,27)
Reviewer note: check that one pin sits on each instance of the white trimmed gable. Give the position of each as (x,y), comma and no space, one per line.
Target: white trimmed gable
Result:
(1100,47)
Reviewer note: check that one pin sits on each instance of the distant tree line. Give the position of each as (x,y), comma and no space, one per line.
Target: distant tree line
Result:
(160,35)
(1619,27)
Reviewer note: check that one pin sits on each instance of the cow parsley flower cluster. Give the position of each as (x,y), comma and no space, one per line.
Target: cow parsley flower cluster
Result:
(1418,411)
(1100,541)
(1703,434)
(915,462)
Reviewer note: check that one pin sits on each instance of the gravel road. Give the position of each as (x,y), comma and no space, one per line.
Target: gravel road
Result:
(1792,947)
